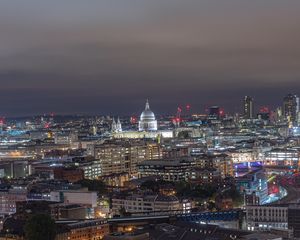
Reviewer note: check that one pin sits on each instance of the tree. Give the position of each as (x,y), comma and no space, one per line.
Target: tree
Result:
(154,185)
(184,134)
(124,213)
(40,226)
(236,196)
(94,185)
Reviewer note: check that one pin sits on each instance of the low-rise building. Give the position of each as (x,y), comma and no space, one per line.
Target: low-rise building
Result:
(9,199)
(282,157)
(87,230)
(265,217)
(146,204)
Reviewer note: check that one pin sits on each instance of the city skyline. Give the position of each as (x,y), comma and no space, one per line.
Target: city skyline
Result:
(149,120)
(107,57)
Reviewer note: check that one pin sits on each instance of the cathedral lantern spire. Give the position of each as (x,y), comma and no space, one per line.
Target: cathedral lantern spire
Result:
(147,107)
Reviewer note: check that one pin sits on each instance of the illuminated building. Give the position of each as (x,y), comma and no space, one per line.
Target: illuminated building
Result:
(116,127)
(205,176)
(282,157)
(147,128)
(118,156)
(83,230)
(142,135)
(14,169)
(291,107)
(248,107)
(65,138)
(147,120)
(266,217)
(65,229)
(9,199)
(254,187)
(221,162)
(146,204)
(116,179)
(168,169)
(91,169)
(247,155)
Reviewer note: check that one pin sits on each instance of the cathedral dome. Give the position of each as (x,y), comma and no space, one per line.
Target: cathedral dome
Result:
(147,120)
(147,114)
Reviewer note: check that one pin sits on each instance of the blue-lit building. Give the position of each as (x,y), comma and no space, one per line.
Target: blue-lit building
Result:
(254,187)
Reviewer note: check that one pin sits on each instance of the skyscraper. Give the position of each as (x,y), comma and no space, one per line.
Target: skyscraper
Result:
(248,107)
(291,107)
(214,113)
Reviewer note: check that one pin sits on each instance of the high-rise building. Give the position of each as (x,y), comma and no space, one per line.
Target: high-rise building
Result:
(214,112)
(248,107)
(291,107)
(118,156)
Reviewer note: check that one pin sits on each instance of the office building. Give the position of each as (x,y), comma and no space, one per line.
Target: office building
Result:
(214,113)
(291,107)
(138,204)
(248,107)
(167,169)
(266,217)
(118,156)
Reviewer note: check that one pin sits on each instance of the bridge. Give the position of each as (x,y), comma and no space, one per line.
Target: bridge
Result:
(229,215)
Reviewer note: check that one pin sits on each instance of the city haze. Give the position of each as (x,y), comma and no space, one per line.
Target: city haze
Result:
(107,57)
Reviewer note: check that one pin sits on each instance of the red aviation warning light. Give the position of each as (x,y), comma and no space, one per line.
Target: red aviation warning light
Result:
(133,119)
(264,109)
(222,112)
(176,120)
(188,107)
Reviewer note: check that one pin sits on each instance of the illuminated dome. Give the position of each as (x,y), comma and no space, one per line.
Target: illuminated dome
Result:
(147,114)
(147,120)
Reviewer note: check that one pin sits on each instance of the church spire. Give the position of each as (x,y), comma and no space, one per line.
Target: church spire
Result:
(113,125)
(119,125)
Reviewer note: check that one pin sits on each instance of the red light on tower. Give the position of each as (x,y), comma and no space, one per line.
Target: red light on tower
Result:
(264,109)
(188,107)
(222,112)
(176,120)
(133,119)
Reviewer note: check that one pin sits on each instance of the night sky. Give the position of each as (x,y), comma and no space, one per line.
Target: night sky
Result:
(108,56)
